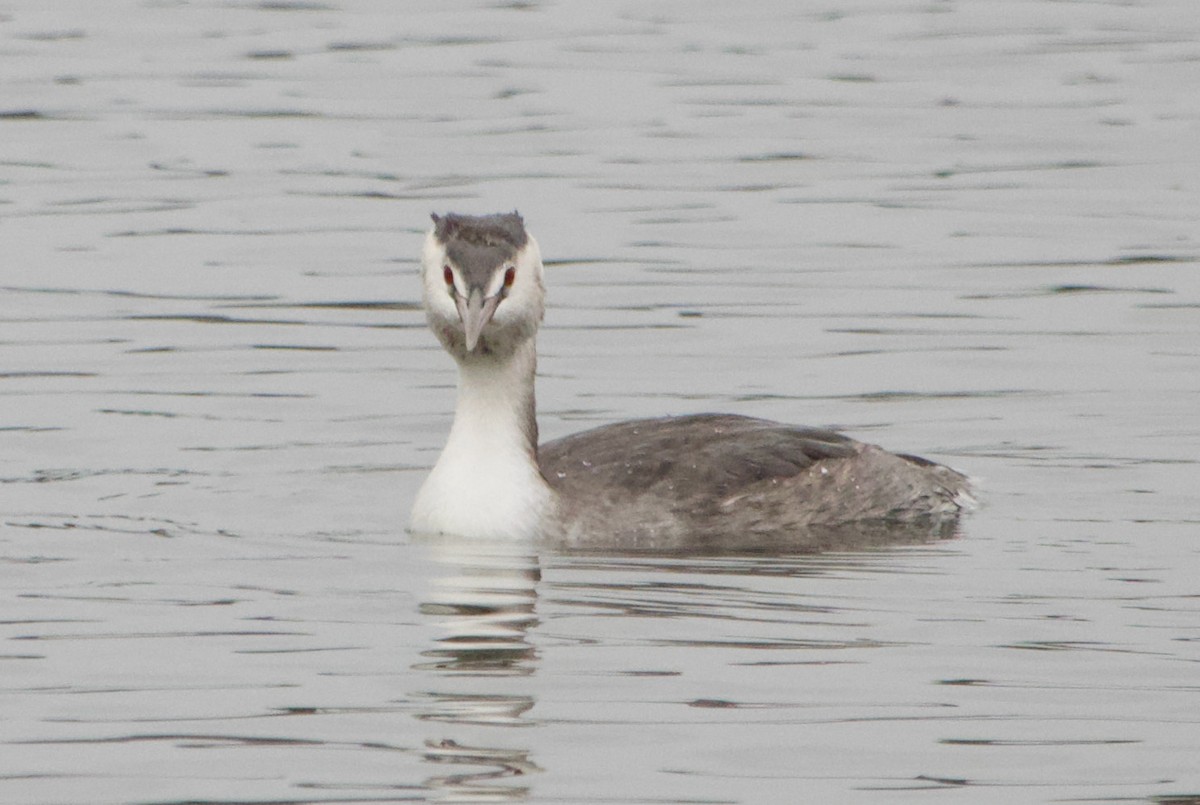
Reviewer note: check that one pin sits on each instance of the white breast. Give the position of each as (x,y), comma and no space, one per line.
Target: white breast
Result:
(491,495)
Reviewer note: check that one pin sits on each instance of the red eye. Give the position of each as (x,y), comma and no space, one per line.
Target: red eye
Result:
(448,275)
(510,276)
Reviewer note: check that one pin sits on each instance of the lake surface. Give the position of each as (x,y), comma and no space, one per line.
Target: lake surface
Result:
(962,229)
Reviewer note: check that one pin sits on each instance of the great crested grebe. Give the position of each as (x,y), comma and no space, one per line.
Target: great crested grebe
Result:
(688,482)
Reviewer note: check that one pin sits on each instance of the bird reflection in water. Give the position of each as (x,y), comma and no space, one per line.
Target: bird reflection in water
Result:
(482,599)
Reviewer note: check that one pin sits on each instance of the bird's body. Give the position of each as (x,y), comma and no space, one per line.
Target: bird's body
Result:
(706,482)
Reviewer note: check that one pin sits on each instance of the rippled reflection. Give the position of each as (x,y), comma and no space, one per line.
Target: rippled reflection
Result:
(482,599)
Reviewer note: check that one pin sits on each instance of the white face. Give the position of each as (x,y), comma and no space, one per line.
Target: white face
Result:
(511,299)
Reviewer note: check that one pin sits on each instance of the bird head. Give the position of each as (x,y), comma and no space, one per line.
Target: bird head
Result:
(483,286)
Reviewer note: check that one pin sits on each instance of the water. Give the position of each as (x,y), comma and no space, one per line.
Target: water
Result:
(966,230)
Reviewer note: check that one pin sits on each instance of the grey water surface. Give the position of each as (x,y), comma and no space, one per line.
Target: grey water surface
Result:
(969,230)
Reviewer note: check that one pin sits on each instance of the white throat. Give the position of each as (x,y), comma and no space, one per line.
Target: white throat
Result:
(486,482)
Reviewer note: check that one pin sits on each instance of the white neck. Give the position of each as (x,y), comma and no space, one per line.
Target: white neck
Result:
(486,483)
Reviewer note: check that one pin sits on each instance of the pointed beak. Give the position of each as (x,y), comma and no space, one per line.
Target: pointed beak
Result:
(475,312)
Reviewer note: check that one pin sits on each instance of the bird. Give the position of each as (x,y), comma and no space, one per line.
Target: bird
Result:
(702,482)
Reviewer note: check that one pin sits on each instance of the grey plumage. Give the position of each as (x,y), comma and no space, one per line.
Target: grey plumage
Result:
(721,482)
